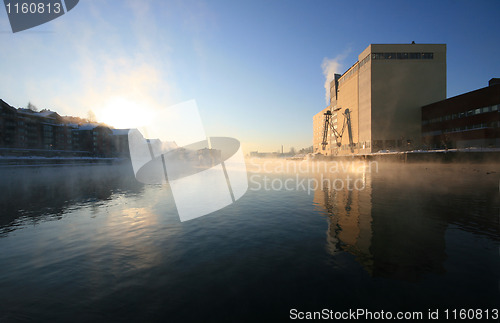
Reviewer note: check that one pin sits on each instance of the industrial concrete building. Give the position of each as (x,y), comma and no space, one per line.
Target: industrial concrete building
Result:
(383,93)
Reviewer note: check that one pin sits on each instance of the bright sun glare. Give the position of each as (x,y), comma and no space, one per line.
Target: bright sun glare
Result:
(122,113)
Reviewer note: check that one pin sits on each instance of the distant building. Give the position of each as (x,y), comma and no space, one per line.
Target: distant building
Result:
(8,125)
(25,132)
(256,154)
(471,119)
(120,142)
(95,139)
(42,130)
(384,92)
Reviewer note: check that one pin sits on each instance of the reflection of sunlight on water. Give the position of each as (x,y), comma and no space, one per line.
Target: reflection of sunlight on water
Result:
(100,244)
(342,190)
(138,217)
(125,242)
(108,243)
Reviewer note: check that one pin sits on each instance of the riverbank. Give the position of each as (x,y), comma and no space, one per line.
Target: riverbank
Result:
(39,161)
(432,156)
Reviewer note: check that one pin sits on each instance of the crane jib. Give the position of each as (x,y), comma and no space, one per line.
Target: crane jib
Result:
(328,124)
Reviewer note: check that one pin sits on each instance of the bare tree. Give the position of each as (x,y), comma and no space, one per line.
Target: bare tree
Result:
(91,117)
(31,107)
(306,150)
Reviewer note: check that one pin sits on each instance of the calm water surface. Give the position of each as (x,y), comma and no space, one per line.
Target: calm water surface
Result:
(91,243)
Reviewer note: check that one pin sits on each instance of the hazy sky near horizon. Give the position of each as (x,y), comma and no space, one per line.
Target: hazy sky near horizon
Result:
(256,68)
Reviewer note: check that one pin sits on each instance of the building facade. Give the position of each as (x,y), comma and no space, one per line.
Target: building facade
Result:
(46,133)
(378,100)
(468,120)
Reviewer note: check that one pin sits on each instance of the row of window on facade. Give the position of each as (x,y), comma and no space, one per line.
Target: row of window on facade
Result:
(41,135)
(353,69)
(463,114)
(383,56)
(483,125)
(403,55)
(378,144)
(364,60)
(356,145)
(62,137)
(348,74)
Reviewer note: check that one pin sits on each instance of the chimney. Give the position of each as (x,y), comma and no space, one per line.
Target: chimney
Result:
(494,81)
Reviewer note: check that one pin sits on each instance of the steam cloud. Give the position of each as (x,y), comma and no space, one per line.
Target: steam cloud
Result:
(330,67)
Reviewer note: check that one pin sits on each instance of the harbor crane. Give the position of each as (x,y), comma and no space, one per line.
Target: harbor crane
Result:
(338,135)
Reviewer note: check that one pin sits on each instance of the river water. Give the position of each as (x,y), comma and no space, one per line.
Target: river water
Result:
(91,243)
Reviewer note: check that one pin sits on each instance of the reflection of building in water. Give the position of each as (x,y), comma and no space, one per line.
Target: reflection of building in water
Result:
(388,231)
(39,194)
(408,242)
(350,208)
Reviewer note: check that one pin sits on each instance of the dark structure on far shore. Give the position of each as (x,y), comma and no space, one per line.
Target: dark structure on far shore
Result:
(24,132)
(468,120)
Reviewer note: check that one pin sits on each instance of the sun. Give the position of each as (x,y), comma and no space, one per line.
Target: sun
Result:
(123,113)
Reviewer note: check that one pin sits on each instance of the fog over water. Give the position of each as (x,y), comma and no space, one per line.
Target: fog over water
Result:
(92,243)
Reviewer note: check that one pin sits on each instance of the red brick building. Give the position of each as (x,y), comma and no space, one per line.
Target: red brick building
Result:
(468,120)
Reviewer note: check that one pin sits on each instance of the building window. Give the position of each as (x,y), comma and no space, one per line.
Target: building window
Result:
(414,56)
(402,56)
(364,61)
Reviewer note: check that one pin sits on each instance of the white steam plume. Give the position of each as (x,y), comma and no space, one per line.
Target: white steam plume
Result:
(331,66)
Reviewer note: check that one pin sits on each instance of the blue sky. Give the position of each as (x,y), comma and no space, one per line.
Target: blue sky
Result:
(254,67)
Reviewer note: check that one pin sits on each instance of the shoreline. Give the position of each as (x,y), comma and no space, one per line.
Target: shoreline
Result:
(440,156)
(37,161)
